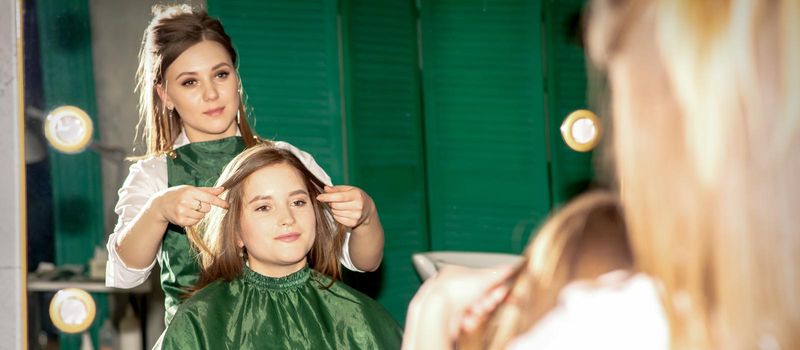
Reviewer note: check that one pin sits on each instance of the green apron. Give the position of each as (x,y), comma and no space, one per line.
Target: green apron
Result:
(254,311)
(197,164)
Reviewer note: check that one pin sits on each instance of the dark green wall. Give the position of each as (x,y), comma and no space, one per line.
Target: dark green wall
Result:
(485,123)
(385,137)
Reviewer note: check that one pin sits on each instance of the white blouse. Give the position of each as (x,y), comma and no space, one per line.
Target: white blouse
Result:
(616,311)
(149,176)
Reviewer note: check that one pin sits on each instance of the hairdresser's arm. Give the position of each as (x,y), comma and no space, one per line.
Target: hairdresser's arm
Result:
(182,205)
(133,245)
(354,208)
(438,312)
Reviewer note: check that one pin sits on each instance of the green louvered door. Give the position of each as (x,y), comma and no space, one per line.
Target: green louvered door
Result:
(484,123)
(385,155)
(289,64)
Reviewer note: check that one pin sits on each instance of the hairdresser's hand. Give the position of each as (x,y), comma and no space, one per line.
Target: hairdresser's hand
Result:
(350,205)
(438,311)
(187,205)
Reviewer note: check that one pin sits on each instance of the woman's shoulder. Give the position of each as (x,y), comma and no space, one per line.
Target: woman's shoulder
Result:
(348,295)
(213,295)
(338,288)
(361,310)
(146,176)
(150,163)
(601,313)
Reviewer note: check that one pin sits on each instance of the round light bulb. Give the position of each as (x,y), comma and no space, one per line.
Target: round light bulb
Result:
(68,129)
(72,310)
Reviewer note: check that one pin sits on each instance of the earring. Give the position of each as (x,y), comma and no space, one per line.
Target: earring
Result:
(238,116)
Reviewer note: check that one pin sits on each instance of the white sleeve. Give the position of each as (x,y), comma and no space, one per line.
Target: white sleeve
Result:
(145,178)
(600,314)
(315,169)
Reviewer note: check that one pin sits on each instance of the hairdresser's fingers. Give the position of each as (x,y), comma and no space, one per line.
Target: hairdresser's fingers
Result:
(477,314)
(209,195)
(341,193)
(185,216)
(346,218)
(204,207)
(351,205)
(467,285)
(189,209)
(212,190)
(346,213)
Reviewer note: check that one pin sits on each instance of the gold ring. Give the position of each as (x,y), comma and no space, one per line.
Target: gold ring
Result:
(199,205)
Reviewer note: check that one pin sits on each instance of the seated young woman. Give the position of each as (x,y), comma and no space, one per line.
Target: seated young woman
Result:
(270,268)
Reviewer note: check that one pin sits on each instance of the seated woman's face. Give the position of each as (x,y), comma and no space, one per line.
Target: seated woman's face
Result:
(278,224)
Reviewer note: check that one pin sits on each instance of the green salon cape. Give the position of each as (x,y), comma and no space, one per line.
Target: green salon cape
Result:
(254,311)
(196,164)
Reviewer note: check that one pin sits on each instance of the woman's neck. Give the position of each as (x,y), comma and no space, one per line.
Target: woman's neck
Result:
(275,270)
(196,136)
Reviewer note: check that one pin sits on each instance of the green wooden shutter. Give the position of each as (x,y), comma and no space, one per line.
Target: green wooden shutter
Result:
(385,136)
(289,64)
(68,79)
(571,171)
(484,123)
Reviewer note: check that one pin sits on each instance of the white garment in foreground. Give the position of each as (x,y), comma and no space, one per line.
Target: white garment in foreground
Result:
(617,311)
(148,177)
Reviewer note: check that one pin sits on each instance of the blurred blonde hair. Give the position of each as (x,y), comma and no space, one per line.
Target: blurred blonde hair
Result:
(709,170)
(581,241)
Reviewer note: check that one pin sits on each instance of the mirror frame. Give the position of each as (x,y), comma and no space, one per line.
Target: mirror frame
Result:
(18,154)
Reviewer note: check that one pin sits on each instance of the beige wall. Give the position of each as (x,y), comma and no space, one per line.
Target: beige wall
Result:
(11,296)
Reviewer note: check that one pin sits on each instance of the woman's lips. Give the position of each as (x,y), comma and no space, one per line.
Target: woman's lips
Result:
(214,112)
(288,237)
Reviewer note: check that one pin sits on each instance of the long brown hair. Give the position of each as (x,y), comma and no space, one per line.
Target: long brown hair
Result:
(707,136)
(172,31)
(583,240)
(215,235)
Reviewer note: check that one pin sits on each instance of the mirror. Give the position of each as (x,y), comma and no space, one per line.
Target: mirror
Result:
(80,60)
(330,78)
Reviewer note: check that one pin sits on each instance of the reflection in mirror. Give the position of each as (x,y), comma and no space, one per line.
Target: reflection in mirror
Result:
(82,54)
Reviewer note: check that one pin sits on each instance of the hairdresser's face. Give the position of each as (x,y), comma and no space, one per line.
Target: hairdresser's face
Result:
(202,86)
(278,225)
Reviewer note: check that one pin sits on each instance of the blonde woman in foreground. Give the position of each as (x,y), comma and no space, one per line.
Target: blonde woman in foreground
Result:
(706,138)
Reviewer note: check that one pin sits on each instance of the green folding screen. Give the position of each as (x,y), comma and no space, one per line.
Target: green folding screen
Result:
(385,157)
